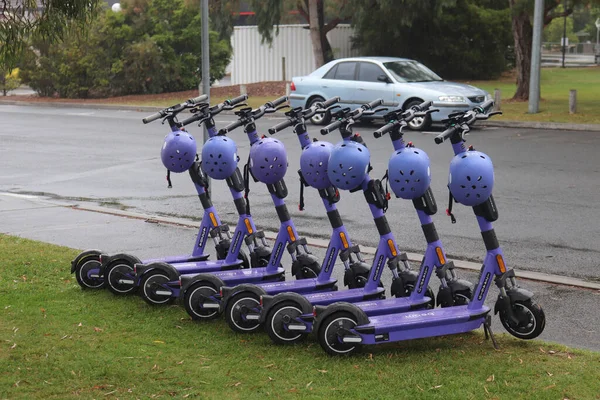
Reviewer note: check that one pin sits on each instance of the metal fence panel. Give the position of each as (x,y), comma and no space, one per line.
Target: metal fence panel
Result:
(254,61)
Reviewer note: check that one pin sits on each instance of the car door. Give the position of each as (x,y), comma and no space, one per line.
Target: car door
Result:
(369,87)
(340,81)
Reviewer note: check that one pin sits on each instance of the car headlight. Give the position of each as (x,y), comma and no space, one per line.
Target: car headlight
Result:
(452,99)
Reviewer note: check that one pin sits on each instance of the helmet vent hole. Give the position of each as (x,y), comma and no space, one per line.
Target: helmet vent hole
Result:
(484,186)
(474,187)
(401,172)
(344,145)
(464,156)
(482,157)
(479,179)
(463,186)
(359,149)
(412,172)
(469,178)
(468,194)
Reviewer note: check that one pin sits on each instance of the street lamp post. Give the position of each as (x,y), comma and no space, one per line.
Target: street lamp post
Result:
(597,54)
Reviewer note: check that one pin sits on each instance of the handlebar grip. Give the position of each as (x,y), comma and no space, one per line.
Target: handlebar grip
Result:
(152,117)
(445,135)
(373,104)
(425,105)
(236,100)
(330,102)
(191,119)
(198,99)
(383,130)
(331,127)
(486,106)
(230,127)
(280,126)
(278,101)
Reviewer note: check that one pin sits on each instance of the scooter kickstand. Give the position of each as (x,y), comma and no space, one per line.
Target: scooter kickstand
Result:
(487,329)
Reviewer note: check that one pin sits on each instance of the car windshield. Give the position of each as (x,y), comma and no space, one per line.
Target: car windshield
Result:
(411,71)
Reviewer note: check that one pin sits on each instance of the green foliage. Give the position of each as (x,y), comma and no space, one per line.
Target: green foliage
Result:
(22,21)
(152,46)
(553,32)
(9,81)
(463,39)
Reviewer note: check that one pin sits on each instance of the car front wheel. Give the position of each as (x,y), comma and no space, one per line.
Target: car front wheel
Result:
(418,123)
(319,119)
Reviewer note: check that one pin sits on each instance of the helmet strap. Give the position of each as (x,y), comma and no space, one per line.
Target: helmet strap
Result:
(302,183)
(247,184)
(449,209)
(169,179)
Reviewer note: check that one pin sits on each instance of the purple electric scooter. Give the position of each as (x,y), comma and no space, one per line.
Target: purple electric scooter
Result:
(341,328)
(268,163)
(241,303)
(95,269)
(288,317)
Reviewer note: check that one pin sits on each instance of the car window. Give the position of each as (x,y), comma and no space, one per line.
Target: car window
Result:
(369,72)
(345,71)
(331,73)
(411,71)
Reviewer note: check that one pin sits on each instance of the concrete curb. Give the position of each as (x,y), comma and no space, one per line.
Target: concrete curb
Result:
(502,124)
(316,242)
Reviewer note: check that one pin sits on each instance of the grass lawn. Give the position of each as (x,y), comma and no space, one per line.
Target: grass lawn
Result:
(554,106)
(58,342)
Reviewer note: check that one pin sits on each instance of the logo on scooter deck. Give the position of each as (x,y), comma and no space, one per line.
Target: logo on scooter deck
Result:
(422,281)
(330,260)
(484,285)
(419,315)
(235,242)
(378,267)
(277,254)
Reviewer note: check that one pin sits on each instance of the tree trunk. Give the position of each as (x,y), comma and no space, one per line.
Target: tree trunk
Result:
(523,36)
(315,31)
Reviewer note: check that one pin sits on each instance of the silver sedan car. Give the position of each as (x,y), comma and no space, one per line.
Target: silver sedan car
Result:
(400,82)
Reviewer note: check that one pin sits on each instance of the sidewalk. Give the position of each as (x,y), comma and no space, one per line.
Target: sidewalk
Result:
(570,304)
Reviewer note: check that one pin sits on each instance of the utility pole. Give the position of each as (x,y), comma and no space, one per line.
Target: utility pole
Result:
(536,55)
(564,39)
(205,65)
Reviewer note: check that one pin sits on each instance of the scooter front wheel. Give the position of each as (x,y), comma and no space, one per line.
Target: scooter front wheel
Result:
(120,278)
(531,320)
(279,323)
(242,312)
(307,271)
(155,290)
(200,303)
(332,331)
(87,272)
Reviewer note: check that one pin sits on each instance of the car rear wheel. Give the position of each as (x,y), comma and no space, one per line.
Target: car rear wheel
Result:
(319,119)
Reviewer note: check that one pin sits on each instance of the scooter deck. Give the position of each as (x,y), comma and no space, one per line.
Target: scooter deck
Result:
(177,259)
(250,275)
(390,306)
(422,323)
(349,295)
(298,286)
(207,266)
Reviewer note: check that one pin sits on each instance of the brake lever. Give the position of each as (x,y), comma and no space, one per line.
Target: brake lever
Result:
(380,109)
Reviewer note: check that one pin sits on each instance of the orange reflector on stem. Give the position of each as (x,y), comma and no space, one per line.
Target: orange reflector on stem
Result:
(344,240)
(440,254)
(501,265)
(213,219)
(392,247)
(248,226)
(291,234)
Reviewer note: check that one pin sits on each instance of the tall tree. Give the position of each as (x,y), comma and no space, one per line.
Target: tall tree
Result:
(47,19)
(522,16)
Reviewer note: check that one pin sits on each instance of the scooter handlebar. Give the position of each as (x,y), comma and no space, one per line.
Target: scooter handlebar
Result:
(330,102)
(230,127)
(280,126)
(198,99)
(237,100)
(277,102)
(331,127)
(373,104)
(152,117)
(446,134)
(384,129)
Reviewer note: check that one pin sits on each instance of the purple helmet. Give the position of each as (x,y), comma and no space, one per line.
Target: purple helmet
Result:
(348,164)
(268,160)
(313,163)
(409,173)
(471,177)
(178,151)
(219,157)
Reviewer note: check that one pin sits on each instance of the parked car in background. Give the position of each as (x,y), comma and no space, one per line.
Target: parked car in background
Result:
(400,82)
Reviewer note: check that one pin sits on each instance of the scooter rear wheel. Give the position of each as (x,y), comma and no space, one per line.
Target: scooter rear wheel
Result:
(119,277)
(238,308)
(531,320)
(152,286)
(330,337)
(194,299)
(83,268)
(279,316)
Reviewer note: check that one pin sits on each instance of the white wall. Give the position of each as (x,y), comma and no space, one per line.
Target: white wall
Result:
(256,62)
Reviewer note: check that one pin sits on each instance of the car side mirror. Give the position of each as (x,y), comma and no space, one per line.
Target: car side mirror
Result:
(383,78)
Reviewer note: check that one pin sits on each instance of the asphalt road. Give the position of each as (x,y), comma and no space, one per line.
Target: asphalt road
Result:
(547,183)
